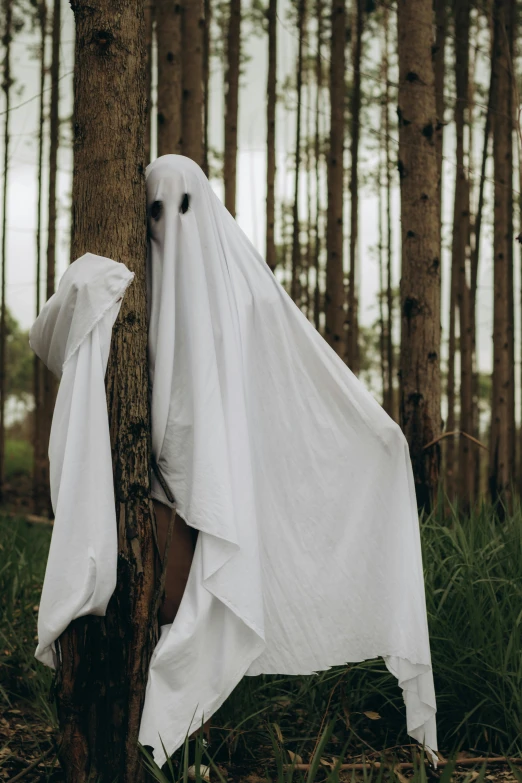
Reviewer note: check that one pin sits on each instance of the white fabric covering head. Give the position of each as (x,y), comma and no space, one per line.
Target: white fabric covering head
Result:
(298,481)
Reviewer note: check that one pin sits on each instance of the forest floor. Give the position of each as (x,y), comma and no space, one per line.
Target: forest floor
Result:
(350,714)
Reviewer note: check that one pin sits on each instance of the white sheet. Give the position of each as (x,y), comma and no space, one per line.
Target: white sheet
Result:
(298,481)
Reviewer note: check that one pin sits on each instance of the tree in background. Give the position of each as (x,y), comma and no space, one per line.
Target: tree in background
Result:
(501,464)
(352,337)
(461,248)
(420,229)
(271,103)
(6,86)
(334,294)
(100,685)
(40,468)
(296,238)
(170,69)
(233,52)
(193,23)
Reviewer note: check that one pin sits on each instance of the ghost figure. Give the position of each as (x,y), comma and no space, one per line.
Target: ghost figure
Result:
(299,484)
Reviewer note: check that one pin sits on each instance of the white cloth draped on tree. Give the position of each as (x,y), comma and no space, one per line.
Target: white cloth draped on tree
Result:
(300,484)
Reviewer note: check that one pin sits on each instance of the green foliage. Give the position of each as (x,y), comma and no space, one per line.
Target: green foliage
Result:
(473,567)
(19,359)
(18,458)
(23,555)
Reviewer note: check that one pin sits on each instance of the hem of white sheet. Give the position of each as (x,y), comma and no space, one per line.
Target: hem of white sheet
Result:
(166,749)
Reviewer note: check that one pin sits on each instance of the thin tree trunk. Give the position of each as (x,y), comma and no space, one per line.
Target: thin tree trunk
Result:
(420,224)
(461,249)
(233,49)
(8,23)
(439,51)
(296,243)
(309,184)
(149,29)
(334,294)
(170,67)
(352,337)
(501,456)
(193,25)
(380,254)
(317,156)
(519,161)
(104,660)
(475,257)
(270,134)
(40,471)
(390,400)
(48,379)
(206,81)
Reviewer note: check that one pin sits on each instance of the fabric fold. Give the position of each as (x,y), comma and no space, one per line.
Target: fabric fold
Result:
(72,337)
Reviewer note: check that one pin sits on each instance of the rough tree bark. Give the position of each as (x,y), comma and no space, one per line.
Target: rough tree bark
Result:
(233,51)
(149,30)
(461,249)
(270,133)
(501,465)
(40,472)
(334,294)
(296,243)
(352,336)
(193,23)
(420,229)
(104,661)
(170,64)
(6,86)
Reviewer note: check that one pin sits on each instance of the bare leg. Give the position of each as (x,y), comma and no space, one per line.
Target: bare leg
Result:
(180,554)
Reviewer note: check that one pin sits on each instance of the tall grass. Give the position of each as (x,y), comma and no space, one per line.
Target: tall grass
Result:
(473,573)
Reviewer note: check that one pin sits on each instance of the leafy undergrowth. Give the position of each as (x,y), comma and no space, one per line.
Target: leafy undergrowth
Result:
(473,568)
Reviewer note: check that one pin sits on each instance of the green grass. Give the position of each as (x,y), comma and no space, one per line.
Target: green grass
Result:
(473,570)
(18,458)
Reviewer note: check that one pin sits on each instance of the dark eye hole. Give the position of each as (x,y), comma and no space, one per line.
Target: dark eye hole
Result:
(156,210)
(184,203)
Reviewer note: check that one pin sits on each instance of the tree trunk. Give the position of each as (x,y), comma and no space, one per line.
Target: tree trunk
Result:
(461,250)
(380,256)
(501,467)
(149,30)
(475,256)
(49,384)
(352,337)
(420,229)
(334,294)
(296,242)
(439,50)
(231,104)
(270,133)
(170,66)
(41,501)
(193,24)
(8,23)
(317,157)
(104,661)
(206,81)
(389,405)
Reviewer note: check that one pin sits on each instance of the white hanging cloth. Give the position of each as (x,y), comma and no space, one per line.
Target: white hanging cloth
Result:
(72,337)
(299,483)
